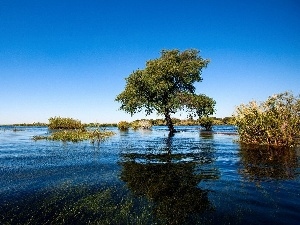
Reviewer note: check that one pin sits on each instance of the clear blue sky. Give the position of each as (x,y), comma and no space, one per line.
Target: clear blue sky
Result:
(70,58)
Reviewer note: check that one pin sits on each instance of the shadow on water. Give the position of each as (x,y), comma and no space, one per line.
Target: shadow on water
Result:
(169,184)
(263,163)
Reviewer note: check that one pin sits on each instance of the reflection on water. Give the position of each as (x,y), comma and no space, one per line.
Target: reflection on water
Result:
(206,134)
(169,183)
(262,163)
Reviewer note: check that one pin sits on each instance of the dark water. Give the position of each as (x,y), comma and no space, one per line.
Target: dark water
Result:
(144,177)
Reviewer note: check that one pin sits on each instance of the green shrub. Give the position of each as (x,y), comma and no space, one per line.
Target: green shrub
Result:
(135,125)
(123,125)
(206,122)
(59,123)
(141,124)
(275,122)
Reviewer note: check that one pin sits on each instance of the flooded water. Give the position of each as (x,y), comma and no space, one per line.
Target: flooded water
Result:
(145,177)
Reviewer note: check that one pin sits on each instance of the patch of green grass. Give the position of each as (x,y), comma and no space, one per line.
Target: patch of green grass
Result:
(76,135)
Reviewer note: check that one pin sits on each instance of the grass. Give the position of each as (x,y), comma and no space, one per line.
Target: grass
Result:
(69,129)
(76,135)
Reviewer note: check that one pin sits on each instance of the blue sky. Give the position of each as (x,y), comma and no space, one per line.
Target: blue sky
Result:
(70,58)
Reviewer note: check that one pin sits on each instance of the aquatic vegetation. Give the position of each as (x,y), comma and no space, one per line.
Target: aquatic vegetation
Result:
(141,124)
(123,125)
(58,123)
(206,122)
(76,135)
(194,177)
(275,122)
(68,129)
(78,205)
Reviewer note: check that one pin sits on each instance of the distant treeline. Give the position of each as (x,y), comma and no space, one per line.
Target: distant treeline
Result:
(192,122)
(154,122)
(35,124)
(38,124)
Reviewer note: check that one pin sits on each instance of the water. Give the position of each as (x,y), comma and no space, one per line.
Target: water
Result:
(145,177)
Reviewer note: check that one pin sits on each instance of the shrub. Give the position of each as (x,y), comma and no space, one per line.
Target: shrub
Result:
(275,122)
(141,124)
(59,123)
(145,124)
(207,123)
(123,125)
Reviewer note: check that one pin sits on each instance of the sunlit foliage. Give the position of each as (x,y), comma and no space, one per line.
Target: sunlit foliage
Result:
(275,122)
(141,124)
(165,85)
(56,123)
(206,122)
(123,125)
(68,129)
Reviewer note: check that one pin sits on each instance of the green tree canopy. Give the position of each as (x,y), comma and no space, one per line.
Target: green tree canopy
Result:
(166,86)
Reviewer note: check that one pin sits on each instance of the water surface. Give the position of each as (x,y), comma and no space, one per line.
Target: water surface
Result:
(145,177)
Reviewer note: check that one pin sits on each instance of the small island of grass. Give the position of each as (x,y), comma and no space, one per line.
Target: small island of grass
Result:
(69,129)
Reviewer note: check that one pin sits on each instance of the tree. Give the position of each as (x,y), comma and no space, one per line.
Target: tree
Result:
(201,106)
(166,86)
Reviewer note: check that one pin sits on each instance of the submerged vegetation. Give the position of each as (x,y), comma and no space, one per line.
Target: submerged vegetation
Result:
(78,205)
(76,135)
(275,122)
(68,129)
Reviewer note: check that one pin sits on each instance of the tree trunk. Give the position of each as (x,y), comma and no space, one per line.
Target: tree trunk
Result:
(169,123)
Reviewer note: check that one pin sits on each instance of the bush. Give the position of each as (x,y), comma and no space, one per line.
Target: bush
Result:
(59,123)
(207,123)
(141,124)
(275,122)
(123,125)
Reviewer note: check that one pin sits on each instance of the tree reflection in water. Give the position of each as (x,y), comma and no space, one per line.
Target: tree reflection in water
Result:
(263,163)
(169,183)
(206,134)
